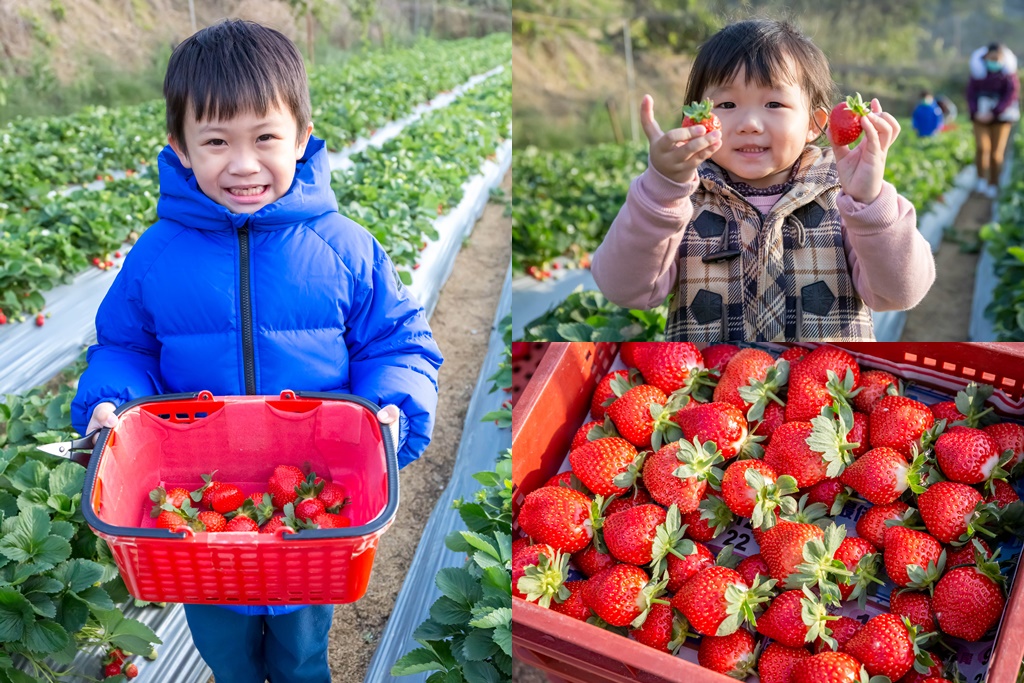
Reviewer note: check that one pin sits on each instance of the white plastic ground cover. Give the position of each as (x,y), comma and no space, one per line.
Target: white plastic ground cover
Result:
(973,658)
(479,448)
(982,328)
(942,214)
(30,355)
(532,298)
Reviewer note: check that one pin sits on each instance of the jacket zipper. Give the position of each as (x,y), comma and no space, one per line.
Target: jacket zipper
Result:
(248,355)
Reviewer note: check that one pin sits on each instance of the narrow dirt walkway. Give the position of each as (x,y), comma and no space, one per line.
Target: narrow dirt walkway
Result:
(461,325)
(945,312)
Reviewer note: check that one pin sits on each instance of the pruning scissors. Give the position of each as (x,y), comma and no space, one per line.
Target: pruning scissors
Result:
(78,450)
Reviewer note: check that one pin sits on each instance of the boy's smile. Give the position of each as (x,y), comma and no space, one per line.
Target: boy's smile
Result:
(246,162)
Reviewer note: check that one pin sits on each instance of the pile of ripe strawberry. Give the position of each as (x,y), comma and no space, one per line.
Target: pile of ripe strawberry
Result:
(684,444)
(293,500)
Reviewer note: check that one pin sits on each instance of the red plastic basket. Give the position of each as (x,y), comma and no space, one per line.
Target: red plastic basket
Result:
(556,403)
(169,440)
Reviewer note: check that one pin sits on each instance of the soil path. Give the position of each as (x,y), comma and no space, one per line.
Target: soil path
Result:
(945,312)
(461,325)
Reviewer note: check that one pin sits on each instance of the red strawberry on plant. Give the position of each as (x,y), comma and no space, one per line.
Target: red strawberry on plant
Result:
(561,517)
(282,484)
(722,423)
(111,670)
(712,608)
(897,422)
(606,466)
(778,662)
(622,595)
(969,455)
(844,120)
(748,364)
(912,558)
(879,476)
(733,655)
(717,356)
(872,526)
(968,601)
(642,417)
(699,113)
(665,629)
(827,667)
(131,671)
(874,385)
(915,606)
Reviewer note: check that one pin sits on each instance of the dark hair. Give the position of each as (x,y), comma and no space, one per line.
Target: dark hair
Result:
(761,46)
(926,93)
(995,47)
(233,67)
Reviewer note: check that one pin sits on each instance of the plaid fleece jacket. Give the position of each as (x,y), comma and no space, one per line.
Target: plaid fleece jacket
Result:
(811,269)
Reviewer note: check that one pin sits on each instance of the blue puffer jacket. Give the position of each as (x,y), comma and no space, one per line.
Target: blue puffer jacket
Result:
(316,305)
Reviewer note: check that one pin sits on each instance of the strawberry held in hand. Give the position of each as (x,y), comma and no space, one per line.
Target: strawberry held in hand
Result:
(699,114)
(845,119)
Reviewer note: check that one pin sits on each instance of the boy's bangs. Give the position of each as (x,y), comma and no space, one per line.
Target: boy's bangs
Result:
(224,96)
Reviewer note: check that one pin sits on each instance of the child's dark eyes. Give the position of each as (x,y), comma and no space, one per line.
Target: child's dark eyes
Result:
(731,105)
(217,142)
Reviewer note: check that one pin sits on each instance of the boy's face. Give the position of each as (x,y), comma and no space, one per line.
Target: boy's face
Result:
(244,163)
(764,130)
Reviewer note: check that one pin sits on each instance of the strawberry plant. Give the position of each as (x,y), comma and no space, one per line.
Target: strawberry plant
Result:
(61,590)
(589,316)
(502,379)
(1003,240)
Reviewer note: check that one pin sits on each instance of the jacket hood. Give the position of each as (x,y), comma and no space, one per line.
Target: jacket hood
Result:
(309,196)
(978,70)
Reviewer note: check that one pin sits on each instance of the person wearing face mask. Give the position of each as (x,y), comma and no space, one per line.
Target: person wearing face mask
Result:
(993,97)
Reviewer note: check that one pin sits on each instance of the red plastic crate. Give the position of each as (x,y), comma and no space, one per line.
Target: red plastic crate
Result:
(557,401)
(170,440)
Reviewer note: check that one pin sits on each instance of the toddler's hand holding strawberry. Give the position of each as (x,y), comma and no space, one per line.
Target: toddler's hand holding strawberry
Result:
(861,169)
(676,154)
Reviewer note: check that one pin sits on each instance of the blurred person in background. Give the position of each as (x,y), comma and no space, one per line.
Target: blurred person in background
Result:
(993,97)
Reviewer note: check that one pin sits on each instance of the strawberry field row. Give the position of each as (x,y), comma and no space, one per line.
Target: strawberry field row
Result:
(1004,241)
(566,201)
(350,99)
(395,191)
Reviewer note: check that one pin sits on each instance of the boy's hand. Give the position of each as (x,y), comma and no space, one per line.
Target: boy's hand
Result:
(861,169)
(389,415)
(677,153)
(102,416)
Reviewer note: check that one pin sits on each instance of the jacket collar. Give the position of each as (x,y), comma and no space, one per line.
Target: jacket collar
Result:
(309,196)
(815,172)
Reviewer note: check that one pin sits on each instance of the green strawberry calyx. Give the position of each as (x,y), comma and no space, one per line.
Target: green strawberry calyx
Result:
(669,539)
(743,604)
(758,393)
(857,105)
(545,581)
(820,565)
(698,111)
(814,614)
(699,460)
(770,495)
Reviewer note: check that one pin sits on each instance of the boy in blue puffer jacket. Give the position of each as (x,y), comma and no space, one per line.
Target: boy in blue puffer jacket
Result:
(251,282)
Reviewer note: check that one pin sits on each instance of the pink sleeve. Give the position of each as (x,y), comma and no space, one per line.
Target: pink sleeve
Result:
(635,266)
(891,261)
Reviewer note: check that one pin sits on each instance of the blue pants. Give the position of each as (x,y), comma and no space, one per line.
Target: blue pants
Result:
(290,648)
